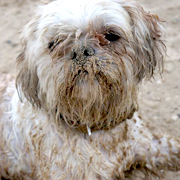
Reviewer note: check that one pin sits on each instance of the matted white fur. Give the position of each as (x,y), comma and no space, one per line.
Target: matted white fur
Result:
(72,114)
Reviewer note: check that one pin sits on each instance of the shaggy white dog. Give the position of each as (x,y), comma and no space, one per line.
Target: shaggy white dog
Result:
(72,113)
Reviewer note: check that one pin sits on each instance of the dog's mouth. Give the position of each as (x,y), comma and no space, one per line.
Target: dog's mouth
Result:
(94,101)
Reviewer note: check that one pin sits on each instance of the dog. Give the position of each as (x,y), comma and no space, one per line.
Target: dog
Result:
(72,111)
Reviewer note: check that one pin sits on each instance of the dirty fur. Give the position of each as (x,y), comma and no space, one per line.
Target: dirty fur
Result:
(73,111)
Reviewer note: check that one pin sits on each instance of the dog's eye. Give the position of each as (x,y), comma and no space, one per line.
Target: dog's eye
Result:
(51,44)
(111,37)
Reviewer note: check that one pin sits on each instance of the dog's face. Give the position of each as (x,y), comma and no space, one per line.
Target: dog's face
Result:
(83,60)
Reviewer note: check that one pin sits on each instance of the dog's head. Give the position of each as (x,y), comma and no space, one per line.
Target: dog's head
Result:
(83,60)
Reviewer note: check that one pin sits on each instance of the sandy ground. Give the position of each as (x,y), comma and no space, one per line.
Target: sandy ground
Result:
(159,99)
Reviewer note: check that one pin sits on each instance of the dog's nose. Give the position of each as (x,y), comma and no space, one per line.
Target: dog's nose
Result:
(81,53)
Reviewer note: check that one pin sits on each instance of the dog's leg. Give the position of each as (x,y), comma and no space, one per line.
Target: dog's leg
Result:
(164,153)
(153,151)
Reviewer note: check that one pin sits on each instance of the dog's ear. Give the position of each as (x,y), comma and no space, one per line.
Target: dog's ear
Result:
(147,33)
(27,82)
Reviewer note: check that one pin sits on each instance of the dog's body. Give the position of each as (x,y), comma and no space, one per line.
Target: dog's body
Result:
(72,113)
(35,149)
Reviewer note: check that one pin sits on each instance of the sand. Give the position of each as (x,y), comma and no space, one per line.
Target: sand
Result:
(159,100)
